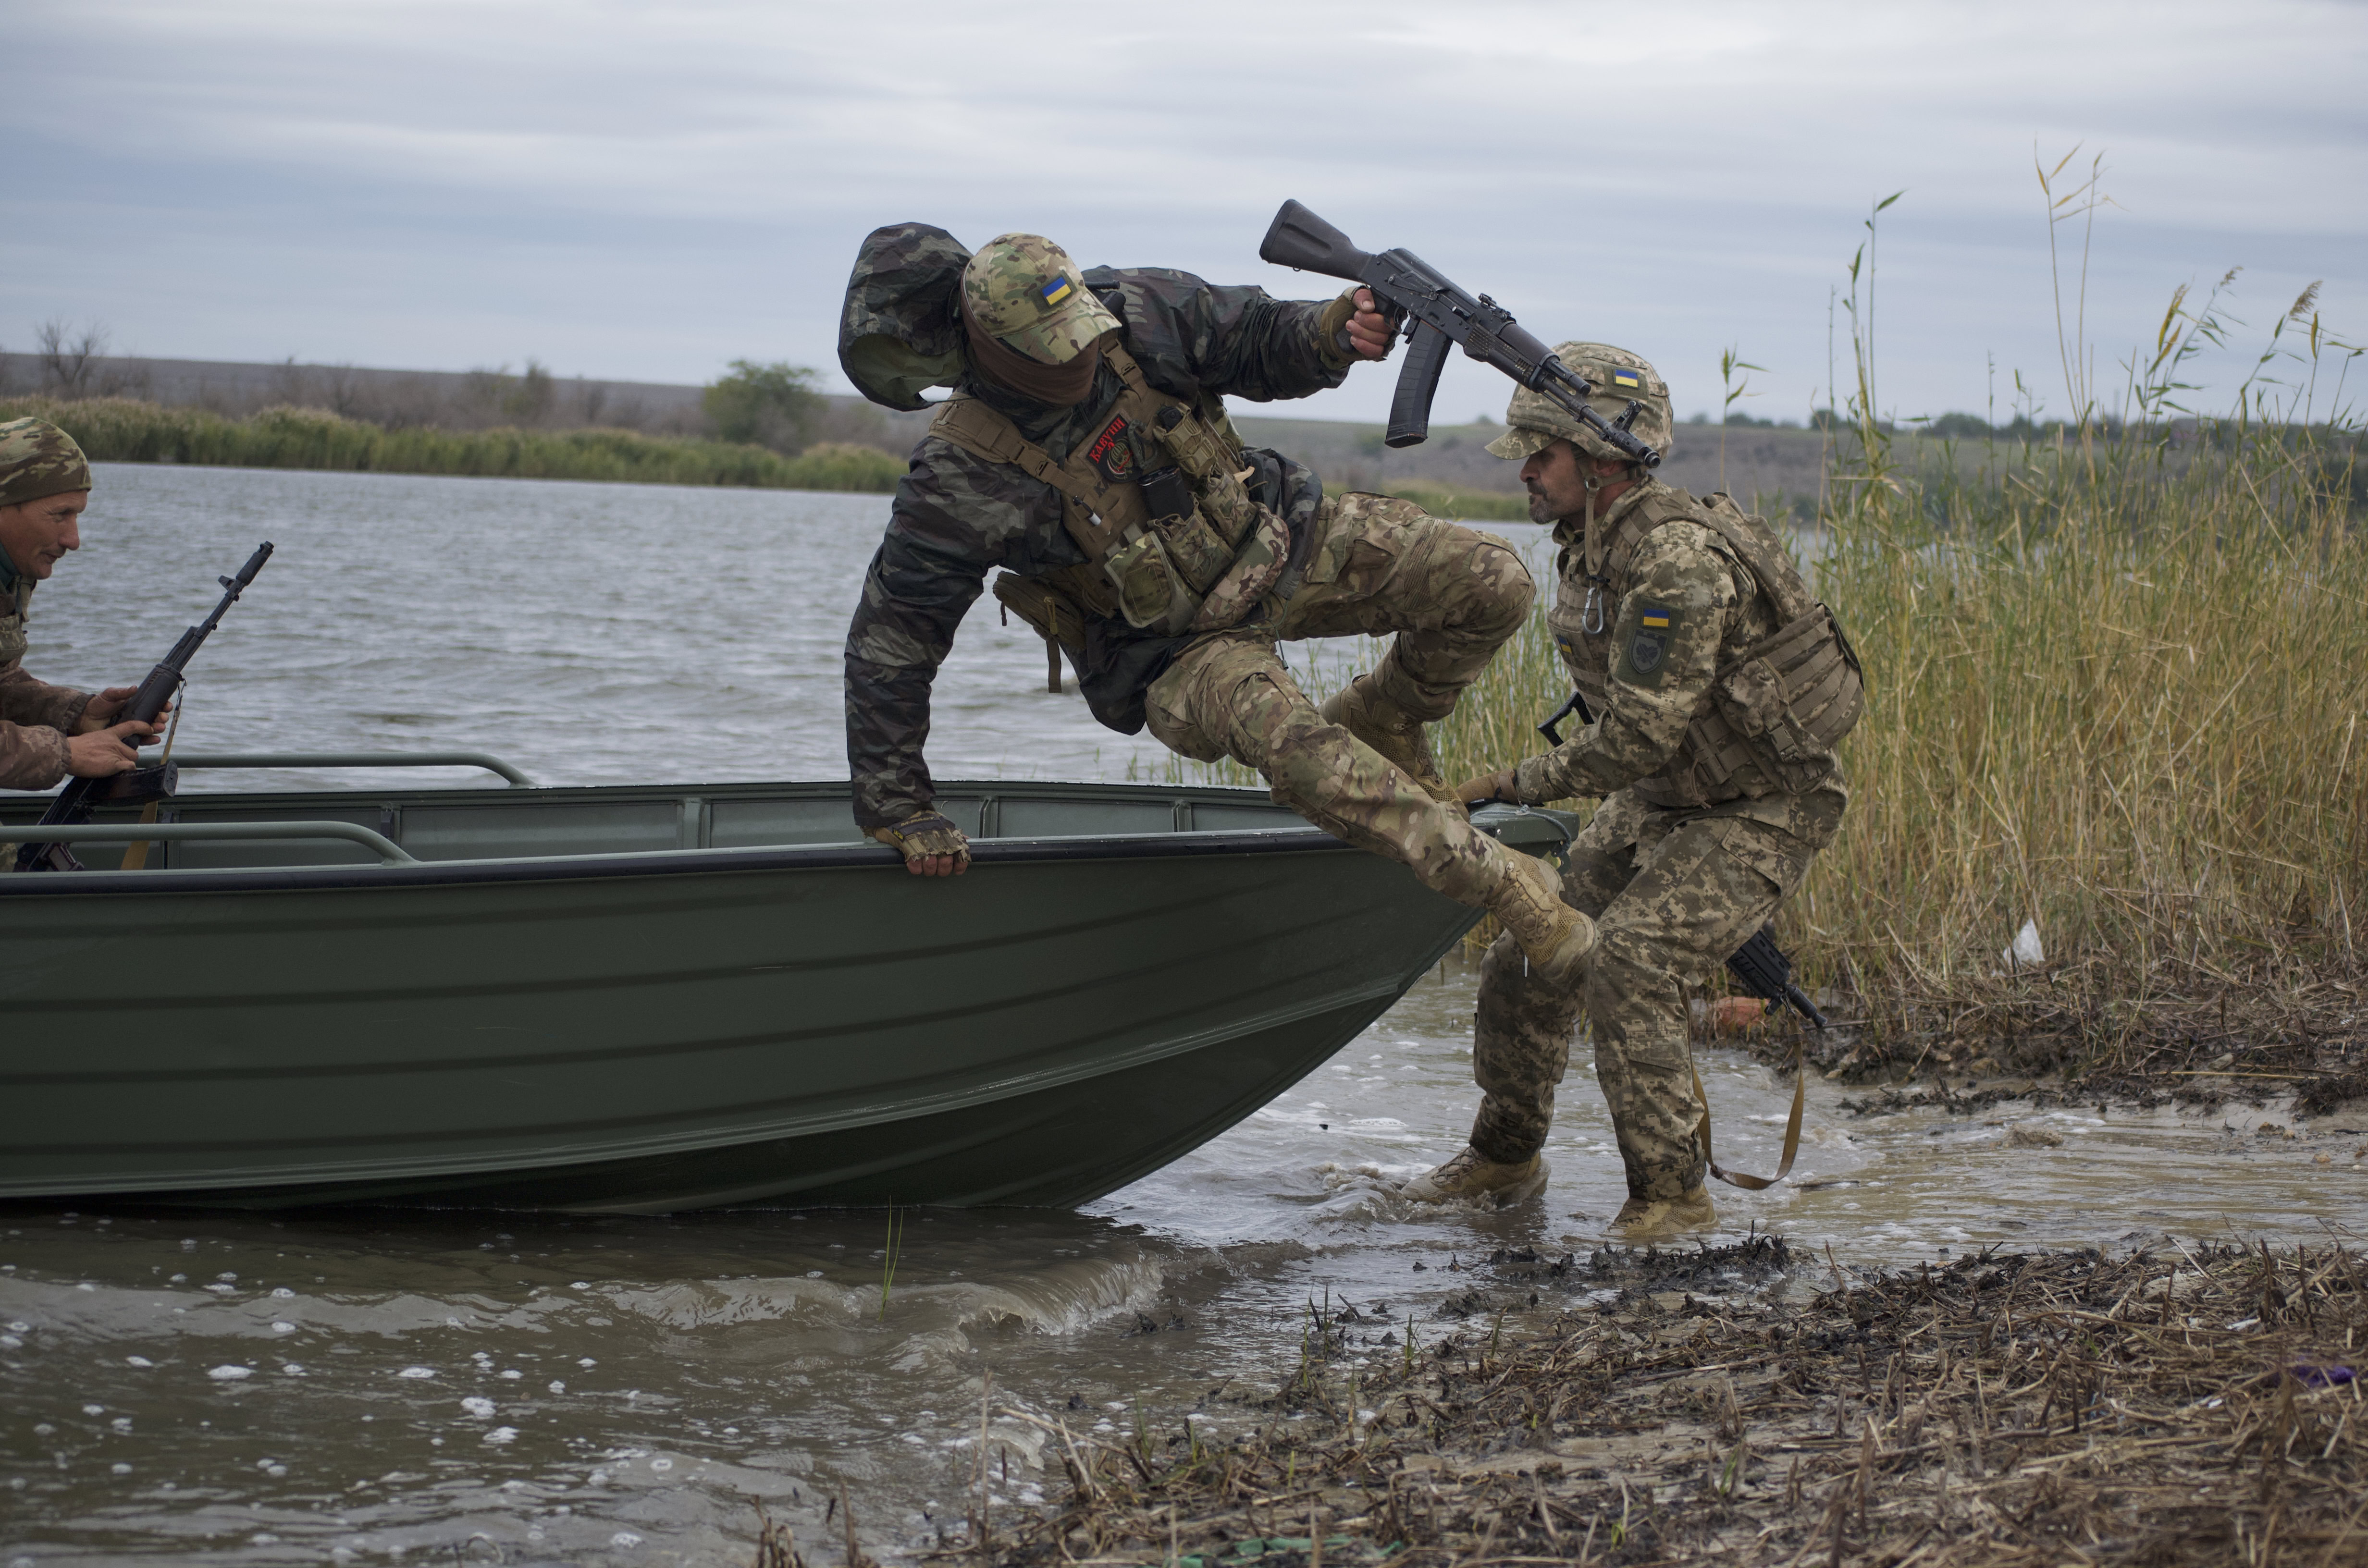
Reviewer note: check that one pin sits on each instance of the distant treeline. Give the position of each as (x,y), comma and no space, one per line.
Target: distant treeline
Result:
(115,429)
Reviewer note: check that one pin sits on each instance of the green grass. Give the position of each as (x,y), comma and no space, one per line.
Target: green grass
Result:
(123,430)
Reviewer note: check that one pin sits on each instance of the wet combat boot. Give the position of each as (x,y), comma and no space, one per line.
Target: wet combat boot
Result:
(1655,1220)
(1361,710)
(1473,1176)
(1554,938)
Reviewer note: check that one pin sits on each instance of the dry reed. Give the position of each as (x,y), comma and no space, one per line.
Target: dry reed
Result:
(2118,687)
(2191,1405)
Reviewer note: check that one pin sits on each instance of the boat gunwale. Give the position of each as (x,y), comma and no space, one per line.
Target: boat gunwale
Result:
(707,860)
(608,864)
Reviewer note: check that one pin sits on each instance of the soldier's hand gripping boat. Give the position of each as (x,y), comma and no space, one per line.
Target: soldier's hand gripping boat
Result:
(678,997)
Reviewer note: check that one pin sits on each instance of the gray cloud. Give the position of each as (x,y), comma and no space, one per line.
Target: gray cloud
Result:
(631,190)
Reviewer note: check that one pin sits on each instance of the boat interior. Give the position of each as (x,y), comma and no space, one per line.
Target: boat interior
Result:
(211,828)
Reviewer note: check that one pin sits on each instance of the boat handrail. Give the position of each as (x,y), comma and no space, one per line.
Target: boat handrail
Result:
(485,760)
(389,852)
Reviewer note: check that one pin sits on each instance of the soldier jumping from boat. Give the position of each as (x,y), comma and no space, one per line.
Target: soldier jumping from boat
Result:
(48,732)
(1087,451)
(1715,688)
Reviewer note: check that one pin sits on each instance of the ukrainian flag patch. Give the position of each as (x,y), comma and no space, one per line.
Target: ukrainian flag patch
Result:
(1655,617)
(1054,293)
(1628,381)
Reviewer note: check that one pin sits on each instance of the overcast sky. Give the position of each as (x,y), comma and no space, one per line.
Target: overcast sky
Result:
(648,191)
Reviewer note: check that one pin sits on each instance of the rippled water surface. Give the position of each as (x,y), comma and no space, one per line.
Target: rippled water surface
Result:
(385,1385)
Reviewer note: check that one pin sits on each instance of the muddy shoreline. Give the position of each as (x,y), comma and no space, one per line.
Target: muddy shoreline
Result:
(2179,1403)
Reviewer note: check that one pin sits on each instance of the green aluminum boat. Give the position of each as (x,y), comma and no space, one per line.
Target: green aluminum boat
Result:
(678,997)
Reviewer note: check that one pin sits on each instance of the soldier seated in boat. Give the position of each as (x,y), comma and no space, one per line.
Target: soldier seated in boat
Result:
(48,732)
(1715,688)
(1087,451)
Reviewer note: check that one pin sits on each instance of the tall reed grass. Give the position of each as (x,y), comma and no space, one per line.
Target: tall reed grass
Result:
(2118,686)
(124,430)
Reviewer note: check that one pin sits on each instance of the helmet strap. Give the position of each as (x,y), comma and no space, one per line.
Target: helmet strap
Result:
(1592,551)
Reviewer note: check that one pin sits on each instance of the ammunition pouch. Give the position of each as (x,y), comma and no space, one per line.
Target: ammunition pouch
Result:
(1183,548)
(1047,607)
(1782,706)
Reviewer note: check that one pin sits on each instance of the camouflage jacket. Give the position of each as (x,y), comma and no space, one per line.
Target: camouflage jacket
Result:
(34,715)
(1676,607)
(957,516)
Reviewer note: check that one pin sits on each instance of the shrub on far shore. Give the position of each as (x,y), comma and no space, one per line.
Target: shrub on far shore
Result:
(126,430)
(1440,501)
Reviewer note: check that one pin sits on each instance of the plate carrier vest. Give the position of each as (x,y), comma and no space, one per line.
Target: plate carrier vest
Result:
(1777,709)
(1179,550)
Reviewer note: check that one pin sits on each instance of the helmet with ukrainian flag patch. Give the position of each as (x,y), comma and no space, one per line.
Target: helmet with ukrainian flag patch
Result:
(1619,377)
(1026,290)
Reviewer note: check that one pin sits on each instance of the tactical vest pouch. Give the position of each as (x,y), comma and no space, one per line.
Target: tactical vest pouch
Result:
(1152,595)
(1043,606)
(1160,564)
(1783,706)
(1257,567)
(1199,556)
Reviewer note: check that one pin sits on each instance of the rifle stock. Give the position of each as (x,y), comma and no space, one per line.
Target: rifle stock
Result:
(1299,238)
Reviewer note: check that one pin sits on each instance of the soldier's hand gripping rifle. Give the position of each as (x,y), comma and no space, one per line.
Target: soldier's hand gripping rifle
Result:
(82,797)
(1763,970)
(1437,316)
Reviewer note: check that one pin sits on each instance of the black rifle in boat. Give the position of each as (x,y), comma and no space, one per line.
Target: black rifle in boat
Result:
(82,797)
(1437,316)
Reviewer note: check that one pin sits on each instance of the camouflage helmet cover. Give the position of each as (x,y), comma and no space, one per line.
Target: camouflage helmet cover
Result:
(1026,290)
(1618,377)
(37,459)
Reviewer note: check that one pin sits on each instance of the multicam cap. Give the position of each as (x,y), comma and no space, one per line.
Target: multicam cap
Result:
(1026,290)
(1618,378)
(37,459)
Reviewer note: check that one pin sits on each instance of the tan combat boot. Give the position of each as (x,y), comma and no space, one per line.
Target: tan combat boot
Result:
(1361,710)
(1472,1176)
(1554,938)
(1659,1220)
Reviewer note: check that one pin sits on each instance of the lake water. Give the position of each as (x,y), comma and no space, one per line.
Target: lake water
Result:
(384,1386)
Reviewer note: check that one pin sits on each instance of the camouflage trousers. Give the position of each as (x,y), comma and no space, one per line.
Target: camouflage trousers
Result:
(1673,894)
(1453,596)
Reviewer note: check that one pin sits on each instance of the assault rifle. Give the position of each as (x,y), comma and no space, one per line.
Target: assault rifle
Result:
(82,797)
(1438,315)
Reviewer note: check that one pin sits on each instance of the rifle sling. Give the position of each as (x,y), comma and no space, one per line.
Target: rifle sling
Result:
(1792,1127)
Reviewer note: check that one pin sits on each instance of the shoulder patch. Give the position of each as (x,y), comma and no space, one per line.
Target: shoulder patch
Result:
(1111,453)
(1644,653)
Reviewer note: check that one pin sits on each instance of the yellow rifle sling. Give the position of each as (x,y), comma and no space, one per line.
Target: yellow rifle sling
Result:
(1792,1127)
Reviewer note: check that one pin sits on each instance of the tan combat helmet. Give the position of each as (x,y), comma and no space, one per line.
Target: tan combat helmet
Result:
(37,460)
(1026,290)
(1618,377)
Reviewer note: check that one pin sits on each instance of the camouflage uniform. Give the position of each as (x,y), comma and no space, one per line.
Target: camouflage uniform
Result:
(1451,594)
(37,460)
(1361,564)
(1678,867)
